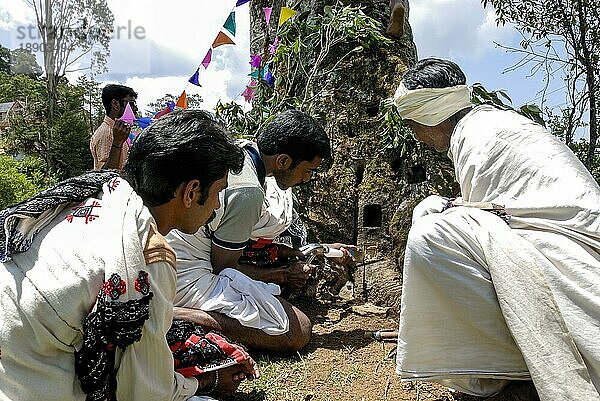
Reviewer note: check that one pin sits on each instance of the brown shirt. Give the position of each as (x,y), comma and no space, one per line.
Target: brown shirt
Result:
(101,143)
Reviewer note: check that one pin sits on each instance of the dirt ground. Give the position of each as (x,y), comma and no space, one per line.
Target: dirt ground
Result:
(339,363)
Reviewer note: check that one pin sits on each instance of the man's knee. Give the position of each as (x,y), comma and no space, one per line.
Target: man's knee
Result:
(299,333)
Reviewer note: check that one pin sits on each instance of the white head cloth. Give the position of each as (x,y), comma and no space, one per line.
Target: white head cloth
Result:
(431,106)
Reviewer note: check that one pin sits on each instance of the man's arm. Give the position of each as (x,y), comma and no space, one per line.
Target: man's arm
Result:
(121,132)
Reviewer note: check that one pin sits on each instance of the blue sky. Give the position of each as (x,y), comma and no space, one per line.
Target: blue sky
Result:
(177,36)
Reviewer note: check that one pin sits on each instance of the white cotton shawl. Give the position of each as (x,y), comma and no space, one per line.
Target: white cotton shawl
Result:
(431,106)
(505,158)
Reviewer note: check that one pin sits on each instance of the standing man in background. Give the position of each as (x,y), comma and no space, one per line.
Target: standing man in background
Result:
(109,142)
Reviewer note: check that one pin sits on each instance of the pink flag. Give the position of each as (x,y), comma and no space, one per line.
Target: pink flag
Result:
(268,11)
(273,47)
(249,94)
(128,115)
(207,58)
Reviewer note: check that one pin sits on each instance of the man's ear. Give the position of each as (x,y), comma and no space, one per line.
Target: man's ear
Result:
(191,193)
(283,162)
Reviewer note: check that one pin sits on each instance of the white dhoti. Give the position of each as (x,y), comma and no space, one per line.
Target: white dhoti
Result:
(484,302)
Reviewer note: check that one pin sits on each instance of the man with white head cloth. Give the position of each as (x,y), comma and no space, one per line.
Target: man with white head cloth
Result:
(502,285)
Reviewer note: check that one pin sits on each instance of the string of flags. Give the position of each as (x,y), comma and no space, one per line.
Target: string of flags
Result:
(260,69)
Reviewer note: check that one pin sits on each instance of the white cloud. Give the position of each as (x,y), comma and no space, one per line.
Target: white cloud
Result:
(456,29)
(176,40)
(14,13)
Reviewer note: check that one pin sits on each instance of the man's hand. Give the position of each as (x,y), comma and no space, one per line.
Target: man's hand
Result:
(347,259)
(231,377)
(285,251)
(297,273)
(121,132)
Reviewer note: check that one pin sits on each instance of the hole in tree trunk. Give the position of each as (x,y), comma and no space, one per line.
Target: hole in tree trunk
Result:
(372,216)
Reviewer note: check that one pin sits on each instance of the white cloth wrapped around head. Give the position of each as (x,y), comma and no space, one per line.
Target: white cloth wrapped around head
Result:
(431,106)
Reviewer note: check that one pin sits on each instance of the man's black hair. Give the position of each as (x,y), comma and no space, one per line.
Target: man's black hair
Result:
(177,148)
(296,134)
(116,92)
(433,73)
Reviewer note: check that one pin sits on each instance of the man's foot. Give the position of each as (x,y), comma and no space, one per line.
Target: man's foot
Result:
(517,391)
(396,25)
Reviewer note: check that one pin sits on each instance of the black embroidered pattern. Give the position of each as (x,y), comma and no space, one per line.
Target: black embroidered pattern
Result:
(114,287)
(74,189)
(141,283)
(113,324)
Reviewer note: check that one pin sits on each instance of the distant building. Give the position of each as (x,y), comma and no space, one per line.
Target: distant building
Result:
(7,110)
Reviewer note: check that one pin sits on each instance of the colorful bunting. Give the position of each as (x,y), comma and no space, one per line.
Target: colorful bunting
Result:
(207,58)
(131,138)
(194,78)
(163,112)
(249,94)
(269,78)
(230,23)
(273,47)
(240,2)
(268,11)
(143,122)
(182,101)
(286,14)
(222,39)
(128,116)
(171,105)
(256,73)
(255,60)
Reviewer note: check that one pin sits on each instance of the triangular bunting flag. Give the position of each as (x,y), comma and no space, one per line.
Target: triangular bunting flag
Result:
(255,60)
(273,47)
(207,58)
(221,40)
(268,11)
(240,2)
(143,122)
(270,79)
(257,73)
(182,102)
(286,14)
(194,78)
(249,93)
(230,23)
(161,113)
(128,115)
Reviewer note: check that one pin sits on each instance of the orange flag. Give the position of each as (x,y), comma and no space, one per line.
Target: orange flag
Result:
(222,39)
(182,102)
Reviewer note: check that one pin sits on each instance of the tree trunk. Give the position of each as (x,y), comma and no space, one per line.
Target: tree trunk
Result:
(367,195)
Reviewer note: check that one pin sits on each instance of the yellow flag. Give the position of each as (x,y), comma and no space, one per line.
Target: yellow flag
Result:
(182,102)
(286,14)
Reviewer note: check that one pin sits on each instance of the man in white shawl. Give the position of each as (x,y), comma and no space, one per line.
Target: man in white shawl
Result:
(502,285)
(87,279)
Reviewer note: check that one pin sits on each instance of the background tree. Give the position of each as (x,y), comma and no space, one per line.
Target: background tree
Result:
(66,153)
(72,32)
(194,101)
(92,101)
(4,60)
(23,61)
(564,33)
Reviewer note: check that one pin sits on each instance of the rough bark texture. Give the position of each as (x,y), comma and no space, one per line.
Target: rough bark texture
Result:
(367,195)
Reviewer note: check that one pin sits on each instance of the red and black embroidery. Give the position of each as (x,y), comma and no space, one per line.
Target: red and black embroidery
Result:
(114,287)
(113,184)
(142,284)
(84,211)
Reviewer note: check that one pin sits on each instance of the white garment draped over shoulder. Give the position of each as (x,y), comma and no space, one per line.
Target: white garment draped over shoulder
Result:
(472,284)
